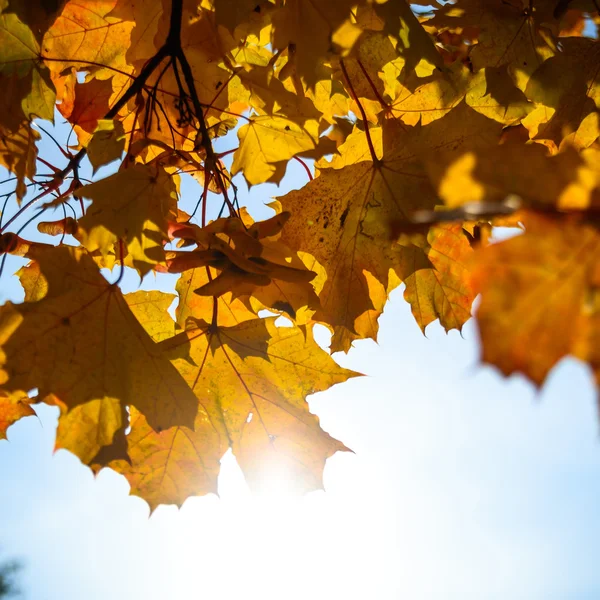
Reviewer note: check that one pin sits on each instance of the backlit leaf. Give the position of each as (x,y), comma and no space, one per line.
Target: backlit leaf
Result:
(13,406)
(81,343)
(252,380)
(344,217)
(146,198)
(542,278)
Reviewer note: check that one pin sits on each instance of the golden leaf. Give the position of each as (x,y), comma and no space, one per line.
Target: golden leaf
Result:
(82,343)
(566,88)
(146,198)
(13,406)
(531,286)
(252,381)
(508,33)
(27,91)
(442,291)
(345,217)
(569,180)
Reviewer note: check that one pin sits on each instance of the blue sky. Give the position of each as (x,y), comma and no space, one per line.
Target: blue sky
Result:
(462,485)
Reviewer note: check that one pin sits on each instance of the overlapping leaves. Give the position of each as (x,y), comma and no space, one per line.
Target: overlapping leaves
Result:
(427,128)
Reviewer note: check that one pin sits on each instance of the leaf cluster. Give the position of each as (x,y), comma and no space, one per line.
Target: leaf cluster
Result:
(428,125)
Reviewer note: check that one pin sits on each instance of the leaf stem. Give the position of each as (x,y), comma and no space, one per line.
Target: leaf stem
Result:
(362,113)
(381,101)
(310,175)
(121,262)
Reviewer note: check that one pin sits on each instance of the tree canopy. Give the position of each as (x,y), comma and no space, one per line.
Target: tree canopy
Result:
(421,127)
(8,586)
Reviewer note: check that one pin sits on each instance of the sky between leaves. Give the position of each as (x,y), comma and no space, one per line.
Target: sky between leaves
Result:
(426,132)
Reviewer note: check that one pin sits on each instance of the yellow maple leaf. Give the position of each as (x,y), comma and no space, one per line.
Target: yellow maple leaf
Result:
(442,291)
(13,406)
(306,29)
(413,42)
(345,217)
(81,342)
(566,89)
(132,205)
(509,32)
(252,380)
(18,153)
(489,91)
(88,37)
(106,144)
(27,91)
(168,467)
(93,427)
(266,145)
(568,180)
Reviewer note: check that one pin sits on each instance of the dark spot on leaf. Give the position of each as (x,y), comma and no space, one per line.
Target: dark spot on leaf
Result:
(65,321)
(344,216)
(256,9)
(287,127)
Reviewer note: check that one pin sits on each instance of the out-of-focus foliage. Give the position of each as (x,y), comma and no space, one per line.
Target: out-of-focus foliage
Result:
(8,585)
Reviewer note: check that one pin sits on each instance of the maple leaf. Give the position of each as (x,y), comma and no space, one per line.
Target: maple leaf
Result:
(366,325)
(442,291)
(508,32)
(96,426)
(266,145)
(568,180)
(413,42)
(170,466)
(145,18)
(90,104)
(546,276)
(252,380)
(267,95)
(344,217)
(235,13)
(567,89)
(27,89)
(106,144)
(88,35)
(429,123)
(147,197)
(38,15)
(18,153)
(81,343)
(490,92)
(13,406)
(309,44)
